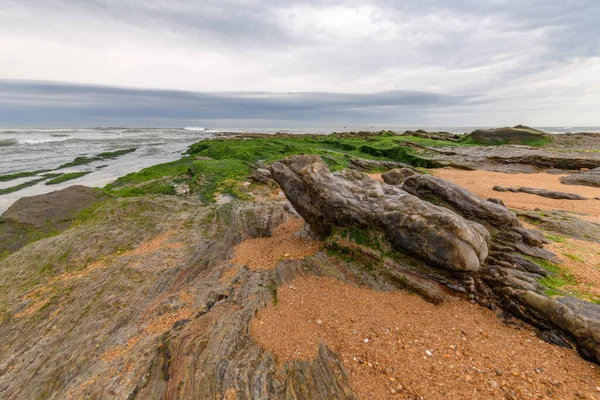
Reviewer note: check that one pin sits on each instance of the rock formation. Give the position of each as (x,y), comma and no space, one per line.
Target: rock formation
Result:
(326,200)
(451,238)
(541,192)
(585,178)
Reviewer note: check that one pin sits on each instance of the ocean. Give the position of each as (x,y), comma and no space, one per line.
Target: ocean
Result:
(25,150)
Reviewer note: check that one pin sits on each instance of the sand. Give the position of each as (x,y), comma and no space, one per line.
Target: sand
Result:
(284,243)
(482,182)
(396,345)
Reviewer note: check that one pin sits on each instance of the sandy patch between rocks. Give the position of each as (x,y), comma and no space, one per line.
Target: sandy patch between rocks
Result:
(482,182)
(396,345)
(265,252)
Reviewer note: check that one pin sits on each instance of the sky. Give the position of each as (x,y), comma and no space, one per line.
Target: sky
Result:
(295,63)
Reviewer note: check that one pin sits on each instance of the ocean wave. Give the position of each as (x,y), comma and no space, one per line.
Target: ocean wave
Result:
(195,128)
(59,135)
(8,142)
(44,140)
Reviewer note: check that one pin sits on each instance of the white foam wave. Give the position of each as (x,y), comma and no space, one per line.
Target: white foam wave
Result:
(195,128)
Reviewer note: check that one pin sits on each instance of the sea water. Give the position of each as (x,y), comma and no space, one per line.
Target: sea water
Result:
(24,150)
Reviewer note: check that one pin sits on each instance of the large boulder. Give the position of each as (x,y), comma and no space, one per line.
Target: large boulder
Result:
(36,216)
(432,233)
(519,134)
(443,192)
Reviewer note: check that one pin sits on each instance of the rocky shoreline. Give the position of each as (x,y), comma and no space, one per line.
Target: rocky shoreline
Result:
(149,288)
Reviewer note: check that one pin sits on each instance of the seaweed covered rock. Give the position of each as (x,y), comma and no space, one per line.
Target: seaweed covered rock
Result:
(519,134)
(413,226)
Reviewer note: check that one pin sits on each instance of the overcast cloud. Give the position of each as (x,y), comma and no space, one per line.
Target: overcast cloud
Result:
(293,63)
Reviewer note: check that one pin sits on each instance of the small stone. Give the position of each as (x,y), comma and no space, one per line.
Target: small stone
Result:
(366,340)
(468,378)
(393,391)
(499,372)
(262,323)
(319,322)
(370,365)
(429,353)
(286,255)
(493,384)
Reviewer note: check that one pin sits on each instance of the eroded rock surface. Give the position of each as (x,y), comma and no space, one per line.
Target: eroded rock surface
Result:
(397,176)
(585,178)
(541,192)
(326,200)
(443,192)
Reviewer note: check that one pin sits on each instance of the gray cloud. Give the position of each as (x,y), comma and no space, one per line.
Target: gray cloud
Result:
(415,61)
(43,103)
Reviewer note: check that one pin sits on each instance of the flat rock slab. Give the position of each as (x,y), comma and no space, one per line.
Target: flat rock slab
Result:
(39,215)
(584,178)
(541,192)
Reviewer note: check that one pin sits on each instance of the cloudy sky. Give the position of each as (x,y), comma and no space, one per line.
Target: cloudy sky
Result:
(295,63)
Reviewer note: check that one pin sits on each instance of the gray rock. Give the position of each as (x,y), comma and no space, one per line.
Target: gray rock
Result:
(397,176)
(585,178)
(541,192)
(496,201)
(261,175)
(33,217)
(464,202)
(413,226)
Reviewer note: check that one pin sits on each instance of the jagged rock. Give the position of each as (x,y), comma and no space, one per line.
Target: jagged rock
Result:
(579,318)
(366,165)
(541,192)
(549,160)
(397,176)
(448,194)
(563,223)
(445,136)
(262,175)
(496,201)
(585,178)
(36,216)
(432,233)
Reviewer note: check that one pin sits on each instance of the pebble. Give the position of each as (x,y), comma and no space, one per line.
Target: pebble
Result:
(366,340)
(493,384)
(428,353)
(319,322)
